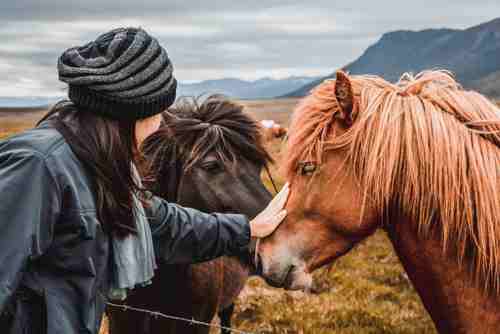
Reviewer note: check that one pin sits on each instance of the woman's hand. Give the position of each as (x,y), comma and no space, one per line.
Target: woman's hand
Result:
(268,220)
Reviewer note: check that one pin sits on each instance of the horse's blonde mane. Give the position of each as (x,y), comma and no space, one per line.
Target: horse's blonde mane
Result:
(424,145)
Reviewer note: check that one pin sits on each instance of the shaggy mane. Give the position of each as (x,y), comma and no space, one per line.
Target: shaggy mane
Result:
(423,144)
(195,128)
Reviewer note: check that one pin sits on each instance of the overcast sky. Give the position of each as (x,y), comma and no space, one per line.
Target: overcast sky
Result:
(210,39)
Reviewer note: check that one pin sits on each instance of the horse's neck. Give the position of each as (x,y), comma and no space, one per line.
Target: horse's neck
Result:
(454,302)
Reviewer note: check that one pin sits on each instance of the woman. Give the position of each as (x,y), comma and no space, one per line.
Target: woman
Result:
(76,225)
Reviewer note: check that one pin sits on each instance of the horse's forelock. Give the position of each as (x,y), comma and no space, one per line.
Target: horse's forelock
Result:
(310,127)
(215,125)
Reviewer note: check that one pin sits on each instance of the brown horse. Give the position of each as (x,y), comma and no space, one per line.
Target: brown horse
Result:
(207,156)
(419,159)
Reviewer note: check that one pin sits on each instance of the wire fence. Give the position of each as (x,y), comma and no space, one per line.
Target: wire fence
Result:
(176,318)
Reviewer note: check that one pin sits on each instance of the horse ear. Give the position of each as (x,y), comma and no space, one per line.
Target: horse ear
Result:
(344,95)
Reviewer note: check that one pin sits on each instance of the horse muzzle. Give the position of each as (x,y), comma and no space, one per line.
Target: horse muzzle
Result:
(288,277)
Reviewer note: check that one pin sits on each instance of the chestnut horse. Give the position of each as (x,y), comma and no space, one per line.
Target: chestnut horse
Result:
(419,159)
(207,156)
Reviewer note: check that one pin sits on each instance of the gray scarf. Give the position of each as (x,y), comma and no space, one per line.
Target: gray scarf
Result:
(133,256)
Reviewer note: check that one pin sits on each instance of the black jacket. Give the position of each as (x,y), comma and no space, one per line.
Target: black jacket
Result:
(54,254)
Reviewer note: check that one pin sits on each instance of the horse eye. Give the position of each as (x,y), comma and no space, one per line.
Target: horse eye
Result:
(212,166)
(307,168)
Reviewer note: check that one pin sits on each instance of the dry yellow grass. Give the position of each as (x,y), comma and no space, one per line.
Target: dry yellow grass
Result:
(278,110)
(365,292)
(15,120)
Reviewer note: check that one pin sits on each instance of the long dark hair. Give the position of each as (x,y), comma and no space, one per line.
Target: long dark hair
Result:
(107,148)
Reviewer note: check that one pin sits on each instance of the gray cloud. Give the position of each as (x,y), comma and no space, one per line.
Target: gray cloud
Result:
(218,38)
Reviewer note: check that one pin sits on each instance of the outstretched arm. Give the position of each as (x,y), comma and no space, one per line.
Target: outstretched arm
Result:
(184,235)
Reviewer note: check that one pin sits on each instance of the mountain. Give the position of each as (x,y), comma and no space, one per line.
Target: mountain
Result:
(27,102)
(489,85)
(236,88)
(473,54)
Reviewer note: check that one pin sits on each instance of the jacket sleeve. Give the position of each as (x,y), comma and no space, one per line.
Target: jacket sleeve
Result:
(29,206)
(184,235)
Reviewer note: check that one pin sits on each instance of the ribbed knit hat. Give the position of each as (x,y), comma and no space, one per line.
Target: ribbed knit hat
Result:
(123,74)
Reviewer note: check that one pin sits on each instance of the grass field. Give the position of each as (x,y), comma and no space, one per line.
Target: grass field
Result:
(14,120)
(365,292)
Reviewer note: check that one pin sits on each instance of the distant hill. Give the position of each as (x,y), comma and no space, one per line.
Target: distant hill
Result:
(489,85)
(236,88)
(473,54)
(27,102)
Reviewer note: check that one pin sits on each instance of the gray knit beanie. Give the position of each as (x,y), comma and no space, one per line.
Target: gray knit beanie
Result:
(123,74)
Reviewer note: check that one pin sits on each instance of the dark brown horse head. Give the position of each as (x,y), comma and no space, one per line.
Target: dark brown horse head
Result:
(209,155)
